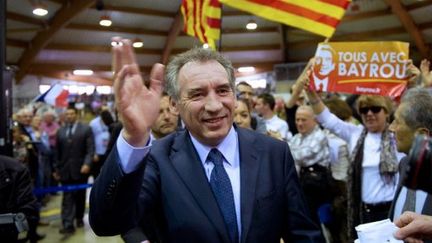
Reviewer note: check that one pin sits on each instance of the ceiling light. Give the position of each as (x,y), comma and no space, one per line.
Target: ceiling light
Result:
(84,72)
(40,9)
(251,25)
(205,46)
(246,69)
(116,43)
(137,43)
(105,20)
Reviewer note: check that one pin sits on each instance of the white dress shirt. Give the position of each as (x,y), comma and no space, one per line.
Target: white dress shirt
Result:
(278,125)
(101,135)
(420,197)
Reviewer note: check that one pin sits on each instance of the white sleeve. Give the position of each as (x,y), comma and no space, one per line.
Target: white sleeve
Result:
(341,128)
(131,157)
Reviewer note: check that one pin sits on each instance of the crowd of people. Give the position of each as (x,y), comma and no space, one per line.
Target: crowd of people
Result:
(306,169)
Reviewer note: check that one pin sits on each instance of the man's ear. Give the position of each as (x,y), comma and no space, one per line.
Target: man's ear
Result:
(173,106)
(423,131)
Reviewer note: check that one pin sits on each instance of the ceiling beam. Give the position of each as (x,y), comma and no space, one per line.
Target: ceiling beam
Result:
(67,76)
(418,4)
(366,15)
(16,43)
(25,19)
(250,48)
(66,69)
(49,67)
(174,31)
(244,31)
(61,19)
(408,23)
(96,48)
(129,30)
(141,11)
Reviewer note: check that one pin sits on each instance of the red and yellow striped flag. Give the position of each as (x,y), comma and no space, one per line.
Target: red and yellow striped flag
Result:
(202,19)
(317,16)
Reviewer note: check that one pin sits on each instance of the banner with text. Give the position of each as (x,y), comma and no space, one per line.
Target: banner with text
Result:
(377,68)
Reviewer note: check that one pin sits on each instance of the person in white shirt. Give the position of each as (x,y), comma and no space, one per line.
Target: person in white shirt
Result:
(276,127)
(101,136)
(373,173)
(311,153)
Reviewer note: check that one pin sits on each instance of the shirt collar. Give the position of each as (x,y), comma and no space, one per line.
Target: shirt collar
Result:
(227,147)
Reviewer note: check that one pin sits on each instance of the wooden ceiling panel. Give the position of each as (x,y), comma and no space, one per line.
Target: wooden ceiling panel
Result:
(119,19)
(250,39)
(13,54)
(62,18)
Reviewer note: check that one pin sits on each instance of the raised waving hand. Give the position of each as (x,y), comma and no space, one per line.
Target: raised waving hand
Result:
(137,101)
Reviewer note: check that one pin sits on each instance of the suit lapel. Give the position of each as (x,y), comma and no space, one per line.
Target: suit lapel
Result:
(249,167)
(427,206)
(188,165)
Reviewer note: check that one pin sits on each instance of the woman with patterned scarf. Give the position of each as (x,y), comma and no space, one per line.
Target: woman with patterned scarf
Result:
(373,173)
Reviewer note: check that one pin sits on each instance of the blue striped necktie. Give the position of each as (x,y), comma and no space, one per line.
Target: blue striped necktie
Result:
(222,190)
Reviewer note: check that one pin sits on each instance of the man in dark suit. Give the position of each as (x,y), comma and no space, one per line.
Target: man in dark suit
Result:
(412,117)
(212,182)
(75,150)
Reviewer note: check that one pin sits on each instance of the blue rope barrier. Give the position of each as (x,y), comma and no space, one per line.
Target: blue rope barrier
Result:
(67,188)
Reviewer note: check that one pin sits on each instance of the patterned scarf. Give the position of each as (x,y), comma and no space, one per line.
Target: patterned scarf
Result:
(388,167)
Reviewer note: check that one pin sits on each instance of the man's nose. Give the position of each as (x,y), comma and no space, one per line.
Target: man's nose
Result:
(213,103)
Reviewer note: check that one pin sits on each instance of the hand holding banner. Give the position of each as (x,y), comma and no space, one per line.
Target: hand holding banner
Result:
(378,68)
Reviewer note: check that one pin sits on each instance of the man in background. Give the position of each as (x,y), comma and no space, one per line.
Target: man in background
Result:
(276,127)
(245,91)
(311,154)
(75,150)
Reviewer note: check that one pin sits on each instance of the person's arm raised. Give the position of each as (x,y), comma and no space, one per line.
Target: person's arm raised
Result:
(313,98)
(137,102)
(298,85)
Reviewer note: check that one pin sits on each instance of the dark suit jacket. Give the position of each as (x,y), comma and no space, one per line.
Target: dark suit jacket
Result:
(73,153)
(174,190)
(16,196)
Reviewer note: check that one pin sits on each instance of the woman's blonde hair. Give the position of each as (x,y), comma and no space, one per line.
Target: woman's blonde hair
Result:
(375,100)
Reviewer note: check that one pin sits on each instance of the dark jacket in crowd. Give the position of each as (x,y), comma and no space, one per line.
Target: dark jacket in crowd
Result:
(16,196)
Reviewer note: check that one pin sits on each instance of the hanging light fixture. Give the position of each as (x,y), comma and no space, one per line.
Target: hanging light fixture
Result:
(205,46)
(251,25)
(105,20)
(83,72)
(40,9)
(116,43)
(247,69)
(137,43)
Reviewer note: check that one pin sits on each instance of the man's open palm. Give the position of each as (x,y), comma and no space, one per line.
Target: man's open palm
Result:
(137,102)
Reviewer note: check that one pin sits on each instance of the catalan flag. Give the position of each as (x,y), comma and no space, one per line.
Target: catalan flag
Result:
(318,16)
(202,19)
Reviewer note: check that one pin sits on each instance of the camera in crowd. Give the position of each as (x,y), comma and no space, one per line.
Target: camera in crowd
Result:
(12,225)
(419,169)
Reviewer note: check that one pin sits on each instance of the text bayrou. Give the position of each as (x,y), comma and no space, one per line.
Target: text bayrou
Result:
(361,67)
